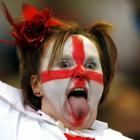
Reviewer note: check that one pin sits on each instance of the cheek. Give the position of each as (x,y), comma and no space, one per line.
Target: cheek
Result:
(55,90)
(96,91)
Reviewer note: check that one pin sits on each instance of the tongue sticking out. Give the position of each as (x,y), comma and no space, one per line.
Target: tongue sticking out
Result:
(79,106)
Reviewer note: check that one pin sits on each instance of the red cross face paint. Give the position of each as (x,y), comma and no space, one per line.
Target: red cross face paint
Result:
(73,87)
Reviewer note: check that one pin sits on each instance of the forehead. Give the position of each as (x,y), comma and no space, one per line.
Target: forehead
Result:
(82,49)
(82,42)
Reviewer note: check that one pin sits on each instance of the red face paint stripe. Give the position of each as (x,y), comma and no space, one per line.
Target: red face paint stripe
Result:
(78,50)
(54,75)
(95,76)
(63,74)
(79,83)
(79,56)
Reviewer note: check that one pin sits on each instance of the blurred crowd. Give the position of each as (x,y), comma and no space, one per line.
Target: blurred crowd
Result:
(121,108)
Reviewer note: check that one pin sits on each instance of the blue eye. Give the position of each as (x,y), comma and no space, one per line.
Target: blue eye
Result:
(90,65)
(65,64)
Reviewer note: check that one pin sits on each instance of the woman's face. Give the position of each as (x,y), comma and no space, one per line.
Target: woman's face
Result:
(73,87)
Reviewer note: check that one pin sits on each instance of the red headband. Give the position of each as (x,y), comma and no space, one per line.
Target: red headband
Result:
(33,28)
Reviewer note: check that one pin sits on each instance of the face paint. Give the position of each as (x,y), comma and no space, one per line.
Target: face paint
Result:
(74,91)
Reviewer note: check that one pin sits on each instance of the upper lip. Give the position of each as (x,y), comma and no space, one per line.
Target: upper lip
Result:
(78,92)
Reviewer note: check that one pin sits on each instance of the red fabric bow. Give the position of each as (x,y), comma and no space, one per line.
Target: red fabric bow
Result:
(73,137)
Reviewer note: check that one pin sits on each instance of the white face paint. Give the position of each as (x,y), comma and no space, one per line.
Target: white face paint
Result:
(73,87)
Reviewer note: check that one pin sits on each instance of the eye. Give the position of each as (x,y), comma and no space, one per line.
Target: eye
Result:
(90,65)
(65,64)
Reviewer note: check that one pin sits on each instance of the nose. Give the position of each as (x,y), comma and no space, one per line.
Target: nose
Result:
(80,73)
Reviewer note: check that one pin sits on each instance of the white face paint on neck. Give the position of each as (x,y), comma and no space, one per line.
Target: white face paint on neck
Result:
(73,87)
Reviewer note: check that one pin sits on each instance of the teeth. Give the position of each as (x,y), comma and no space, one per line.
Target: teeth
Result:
(79,89)
(78,92)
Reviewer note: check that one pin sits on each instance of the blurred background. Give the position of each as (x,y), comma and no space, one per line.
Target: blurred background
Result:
(122,107)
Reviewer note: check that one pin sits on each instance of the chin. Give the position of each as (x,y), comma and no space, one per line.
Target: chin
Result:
(74,124)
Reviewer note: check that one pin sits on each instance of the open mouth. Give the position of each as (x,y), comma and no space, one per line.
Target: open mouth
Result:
(78,92)
(77,99)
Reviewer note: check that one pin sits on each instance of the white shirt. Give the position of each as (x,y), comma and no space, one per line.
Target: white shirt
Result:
(19,122)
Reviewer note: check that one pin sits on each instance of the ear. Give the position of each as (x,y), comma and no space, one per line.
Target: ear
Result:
(36,85)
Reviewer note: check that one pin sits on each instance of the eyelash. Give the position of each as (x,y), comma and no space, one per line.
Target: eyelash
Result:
(90,65)
(65,64)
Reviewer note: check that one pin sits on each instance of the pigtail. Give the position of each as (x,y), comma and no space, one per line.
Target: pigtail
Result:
(100,31)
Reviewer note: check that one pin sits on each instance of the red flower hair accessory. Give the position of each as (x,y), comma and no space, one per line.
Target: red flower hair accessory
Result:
(34,27)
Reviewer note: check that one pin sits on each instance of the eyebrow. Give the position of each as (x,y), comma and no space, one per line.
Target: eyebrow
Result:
(66,56)
(93,58)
